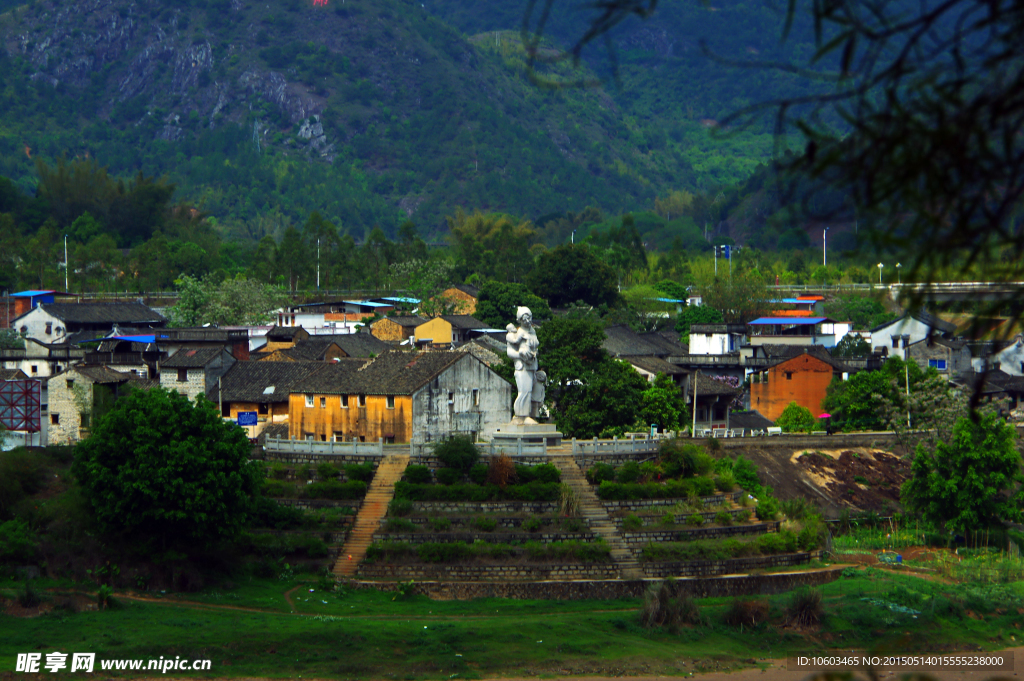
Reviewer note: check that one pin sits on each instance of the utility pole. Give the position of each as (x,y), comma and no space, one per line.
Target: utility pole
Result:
(66,265)
(906,374)
(716,261)
(318,263)
(824,251)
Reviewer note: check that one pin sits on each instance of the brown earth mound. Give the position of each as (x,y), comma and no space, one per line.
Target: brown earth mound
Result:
(855,478)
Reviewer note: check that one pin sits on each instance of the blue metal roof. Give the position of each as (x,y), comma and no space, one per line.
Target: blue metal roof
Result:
(789,321)
(396,299)
(669,300)
(31,294)
(366,303)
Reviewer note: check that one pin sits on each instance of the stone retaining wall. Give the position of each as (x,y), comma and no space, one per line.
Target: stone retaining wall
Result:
(492,537)
(329,537)
(643,537)
(488,573)
(708,516)
(434,463)
(316,504)
(703,568)
(457,522)
(486,506)
(611,589)
(655,504)
(299,458)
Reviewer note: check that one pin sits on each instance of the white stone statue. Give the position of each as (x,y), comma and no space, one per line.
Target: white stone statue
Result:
(522,349)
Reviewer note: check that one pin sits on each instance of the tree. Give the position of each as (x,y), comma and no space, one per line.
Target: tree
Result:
(697,314)
(852,346)
(571,273)
(796,419)
(859,403)
(865,312)
(492,245)
(605,399)
(662,403)
(971,482)
(497,303)
(166,472)
(742,299)
(232,302)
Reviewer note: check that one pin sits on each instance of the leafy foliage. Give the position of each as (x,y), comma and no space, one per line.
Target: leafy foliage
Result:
(573,273)
(697,314)
(498,301)
(162,470)
(796,419)
(972,481)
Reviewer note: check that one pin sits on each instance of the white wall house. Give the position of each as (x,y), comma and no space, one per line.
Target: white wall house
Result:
(716,339)
(897,335)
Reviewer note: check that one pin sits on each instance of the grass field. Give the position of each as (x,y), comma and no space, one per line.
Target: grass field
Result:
(366,634)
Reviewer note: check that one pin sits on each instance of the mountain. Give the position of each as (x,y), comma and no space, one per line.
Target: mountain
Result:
(374,112)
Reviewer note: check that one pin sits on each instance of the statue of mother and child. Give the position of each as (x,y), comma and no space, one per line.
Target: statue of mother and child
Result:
(521,346)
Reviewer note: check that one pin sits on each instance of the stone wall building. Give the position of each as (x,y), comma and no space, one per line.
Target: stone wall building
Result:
(948,357)
(195,372)
(400,397)
(395,329)
(80,395)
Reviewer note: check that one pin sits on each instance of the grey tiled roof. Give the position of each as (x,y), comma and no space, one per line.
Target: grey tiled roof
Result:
(655,365)
(103,313)
(395,372)
(262,381)
(12,375)
(191,358)
(749,420)
(102,374)
(623,341)
(464,321)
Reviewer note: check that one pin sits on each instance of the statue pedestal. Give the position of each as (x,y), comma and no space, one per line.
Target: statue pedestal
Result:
(505,440)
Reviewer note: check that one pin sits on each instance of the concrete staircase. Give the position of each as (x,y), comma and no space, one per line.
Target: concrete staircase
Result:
(593,511)
(374,508)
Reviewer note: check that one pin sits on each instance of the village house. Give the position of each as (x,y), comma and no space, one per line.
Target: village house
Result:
(194,372)
(895,336)
(40,360)
(942,354)
(396,329)
(803,379)
(1009,358)
(447,329)
(75,322)
(400,397)
(82,394)
(792,331)
(714,400)
(464,298)
(261,387)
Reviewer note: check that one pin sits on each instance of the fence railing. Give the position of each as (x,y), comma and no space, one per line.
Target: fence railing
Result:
(329,448)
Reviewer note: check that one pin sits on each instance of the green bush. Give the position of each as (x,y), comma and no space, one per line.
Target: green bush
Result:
(725,482)
(723,518)
(359,471)
(683,459)
(632,522)
(399,525)
(18,543)
(485,524)
(269,513)
(573,525)
(534,491)
(327,471)
(418,475)
(449,476)
(532,524)
(440,524)
(400,507)
(585,552)
(767,507)
(278,471)
(333,489)
(812,535)
(478,474)
(796,419)
(547,473)
(695,520)
(670,489)
(745,473)
(457,452)
(281,545)
(443,552)
(278,489)
(742,516)
(628,472)
(667,520)
(600,472)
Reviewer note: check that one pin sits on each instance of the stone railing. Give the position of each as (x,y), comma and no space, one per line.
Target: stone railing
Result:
(486,506)
(642,537)
(488,573)
(469,537)
(328,448)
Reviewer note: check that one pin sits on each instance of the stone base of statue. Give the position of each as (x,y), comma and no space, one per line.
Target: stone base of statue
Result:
(507,439)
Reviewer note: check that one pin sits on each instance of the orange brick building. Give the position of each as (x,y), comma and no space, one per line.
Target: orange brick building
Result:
(464,296)
(803,379)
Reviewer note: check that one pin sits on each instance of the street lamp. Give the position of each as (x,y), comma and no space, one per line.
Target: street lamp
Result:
(824,252)
(899,279)
(880,266)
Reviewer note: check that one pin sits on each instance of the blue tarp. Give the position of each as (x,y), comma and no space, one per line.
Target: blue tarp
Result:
(789,321)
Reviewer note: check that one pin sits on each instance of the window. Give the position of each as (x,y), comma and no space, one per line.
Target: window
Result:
(264,408)
(309,437)
(789,375)
(362,400)
(323,404)
(344,401)
(309,400)
(476,397)
(49,328)
(391,401)
(225,410)
(71,383)
(182,375)
(389,440)
(451,398)
(35,368)
(895,342)
(939,364)
(323,438)
(339,436)
(54,419)
(135,372)
(83,420)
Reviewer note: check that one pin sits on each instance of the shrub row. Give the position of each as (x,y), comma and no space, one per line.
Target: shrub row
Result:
(670,489)
(457,552)
(478,474)
(282,545)
(327,489)
(534,491)
(785,541)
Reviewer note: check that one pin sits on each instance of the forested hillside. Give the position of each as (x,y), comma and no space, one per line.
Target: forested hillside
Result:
(372,112)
